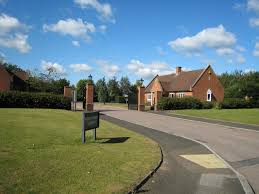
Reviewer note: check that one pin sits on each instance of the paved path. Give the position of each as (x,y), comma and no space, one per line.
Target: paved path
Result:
(237,146)
(180,175)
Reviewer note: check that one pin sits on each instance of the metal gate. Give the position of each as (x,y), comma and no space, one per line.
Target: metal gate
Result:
(133,101)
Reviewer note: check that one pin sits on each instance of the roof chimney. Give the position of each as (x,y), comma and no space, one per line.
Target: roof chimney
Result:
(178,70)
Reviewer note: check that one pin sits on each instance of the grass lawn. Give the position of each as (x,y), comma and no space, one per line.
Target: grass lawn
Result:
(248,116)
(119,105)
(41,152)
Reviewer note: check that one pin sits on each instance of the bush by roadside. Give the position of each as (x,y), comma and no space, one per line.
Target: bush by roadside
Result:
(15,99)
(167,103)
(232,103)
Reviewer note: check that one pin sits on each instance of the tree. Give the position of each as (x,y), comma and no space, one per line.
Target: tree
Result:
(102,91)
(113,88)
(125,85)
(80,87)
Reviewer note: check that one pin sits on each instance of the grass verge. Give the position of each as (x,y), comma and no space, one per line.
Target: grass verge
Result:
(41,152)
(247,116)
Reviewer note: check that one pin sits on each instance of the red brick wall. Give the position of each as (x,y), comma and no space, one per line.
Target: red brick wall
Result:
(67,91)
(201,87)
(5,79)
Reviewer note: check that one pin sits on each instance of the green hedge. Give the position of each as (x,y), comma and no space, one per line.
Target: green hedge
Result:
(15,99)
(120,99)
(232,103)
(167,103)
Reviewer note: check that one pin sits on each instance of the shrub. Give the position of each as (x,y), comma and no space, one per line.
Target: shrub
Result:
(120,99)
(232,103)
(207,105)
(167,103)
(17,99)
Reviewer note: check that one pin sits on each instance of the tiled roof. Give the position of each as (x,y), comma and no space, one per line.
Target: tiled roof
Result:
(178,83)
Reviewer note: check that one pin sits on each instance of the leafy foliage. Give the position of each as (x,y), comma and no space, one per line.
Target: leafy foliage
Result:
(102,90)
(125,85)
(167,103)
(15,99)
(80,87)
(239,84)
(113,89)
(234,103)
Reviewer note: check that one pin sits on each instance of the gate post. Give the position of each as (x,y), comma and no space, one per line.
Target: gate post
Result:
(89,97)
(67,91)
(141,98)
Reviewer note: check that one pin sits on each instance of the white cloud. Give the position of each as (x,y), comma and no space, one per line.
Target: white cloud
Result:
(240,48)
(253,5)
(254,22)
(161,51)
(76,43)
(12,34)
(75,28)
(104,9)
(256,50)
(57,68)
(2,57)
(249,70)
(240,59)
(80,67)
(103,28)
(108,69)
(225,51)
(9,24)
(17,41)
(148,71)
(215,38)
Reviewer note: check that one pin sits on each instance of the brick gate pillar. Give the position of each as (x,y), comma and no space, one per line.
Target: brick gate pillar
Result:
(141,98)
(89,96)
(67,91)
(158,95)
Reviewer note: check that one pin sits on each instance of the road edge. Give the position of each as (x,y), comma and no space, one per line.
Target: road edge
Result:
(149,175)
(244,182)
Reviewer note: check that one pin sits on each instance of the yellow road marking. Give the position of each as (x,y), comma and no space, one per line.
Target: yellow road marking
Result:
(206,160)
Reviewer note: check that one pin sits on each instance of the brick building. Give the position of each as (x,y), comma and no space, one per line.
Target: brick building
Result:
(12,80)
(202,84)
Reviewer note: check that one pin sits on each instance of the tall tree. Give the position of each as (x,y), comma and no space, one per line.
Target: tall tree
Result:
(113,88)
(80,87)
(125,85)
(102,91)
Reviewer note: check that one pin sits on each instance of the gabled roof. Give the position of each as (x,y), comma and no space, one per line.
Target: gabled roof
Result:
(178,83)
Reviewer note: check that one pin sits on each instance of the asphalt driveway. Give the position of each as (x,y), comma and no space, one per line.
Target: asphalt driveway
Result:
(239,147)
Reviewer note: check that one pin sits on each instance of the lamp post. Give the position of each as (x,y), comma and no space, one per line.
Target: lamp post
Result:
(141,81)
(90,77)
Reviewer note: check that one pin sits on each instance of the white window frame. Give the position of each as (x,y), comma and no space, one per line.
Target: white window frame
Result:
(209,95)
(149,97)
(181,95)
(171,94)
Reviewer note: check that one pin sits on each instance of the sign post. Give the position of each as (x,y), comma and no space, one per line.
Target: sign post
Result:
(90,120)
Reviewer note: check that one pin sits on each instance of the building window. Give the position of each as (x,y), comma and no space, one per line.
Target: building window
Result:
(209,95)
(180,95)
(171,95)
(149,97)
(209,78)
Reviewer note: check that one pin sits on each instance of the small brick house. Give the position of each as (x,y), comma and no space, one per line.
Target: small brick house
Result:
(12,80)
(202,84)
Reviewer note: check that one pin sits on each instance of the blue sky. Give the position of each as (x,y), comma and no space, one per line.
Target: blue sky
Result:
(134,38)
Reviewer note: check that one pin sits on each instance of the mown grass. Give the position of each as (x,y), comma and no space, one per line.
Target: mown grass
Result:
(248,116)
(41,152)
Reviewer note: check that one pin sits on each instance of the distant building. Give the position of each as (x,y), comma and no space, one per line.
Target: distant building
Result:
(202,84)
(12,80)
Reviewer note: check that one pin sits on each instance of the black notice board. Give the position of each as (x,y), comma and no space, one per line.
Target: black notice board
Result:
(91,120)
